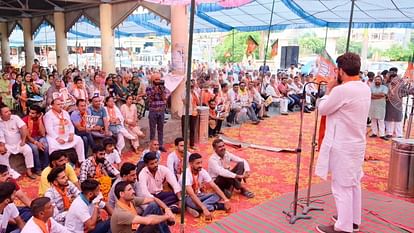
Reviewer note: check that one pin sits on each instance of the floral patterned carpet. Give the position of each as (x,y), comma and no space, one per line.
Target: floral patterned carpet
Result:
(273,174)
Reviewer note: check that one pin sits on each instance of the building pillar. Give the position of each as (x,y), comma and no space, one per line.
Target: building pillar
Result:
(179,51)
(61,42)
(5,47)
(107,38)
(29,52)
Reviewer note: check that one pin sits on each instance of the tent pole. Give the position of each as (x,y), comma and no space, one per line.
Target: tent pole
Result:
(268,34)
(77,59)
(350,25)
(326,37)
(187,112)
(120,50)
(232,54)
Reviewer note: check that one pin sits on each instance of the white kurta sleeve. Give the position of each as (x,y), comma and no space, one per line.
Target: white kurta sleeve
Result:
(332,102)
(236,158)
(48,120)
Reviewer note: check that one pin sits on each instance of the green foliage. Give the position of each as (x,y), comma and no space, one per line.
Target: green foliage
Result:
(355,47)
(398,53)
(309,43)
(240,45)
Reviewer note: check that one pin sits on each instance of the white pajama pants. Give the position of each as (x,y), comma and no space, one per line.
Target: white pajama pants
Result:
(77,143)
(348,205)
(378,125)
(394,126)
(25,150)
(121,140)
(284,105)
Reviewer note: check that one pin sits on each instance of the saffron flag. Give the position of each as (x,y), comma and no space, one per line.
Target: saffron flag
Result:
(251,45)
(275,47)
(167,45)
(326,70)
(409,72)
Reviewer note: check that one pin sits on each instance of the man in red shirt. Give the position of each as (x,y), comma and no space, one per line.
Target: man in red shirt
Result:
(36,138)
(284,89)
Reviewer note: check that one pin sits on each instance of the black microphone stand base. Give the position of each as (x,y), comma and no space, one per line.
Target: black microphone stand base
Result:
(293,218)
(309,208)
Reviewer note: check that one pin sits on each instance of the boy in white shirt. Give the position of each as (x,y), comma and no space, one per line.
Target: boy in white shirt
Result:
(8,210)
(111,154)
(42,221)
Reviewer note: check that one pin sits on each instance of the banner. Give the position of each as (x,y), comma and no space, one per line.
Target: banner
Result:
(91,121)
(409,72)
(172,81)
(251,45)
(167,45)
(275,47)
(326,68)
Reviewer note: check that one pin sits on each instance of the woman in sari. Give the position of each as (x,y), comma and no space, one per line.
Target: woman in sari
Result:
(129,112)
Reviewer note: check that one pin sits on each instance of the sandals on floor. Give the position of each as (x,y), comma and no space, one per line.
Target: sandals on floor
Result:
(248,194)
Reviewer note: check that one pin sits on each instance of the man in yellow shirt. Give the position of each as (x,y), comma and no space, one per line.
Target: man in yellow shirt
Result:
(57,158)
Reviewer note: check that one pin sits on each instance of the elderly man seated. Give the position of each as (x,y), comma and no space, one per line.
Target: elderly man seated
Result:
(60,132)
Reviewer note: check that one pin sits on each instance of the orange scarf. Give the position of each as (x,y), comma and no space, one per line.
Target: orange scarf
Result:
(62,122)
(30,125)
(194,103)
(23,97)
(112,114)
(131,209)
(83,119)
(98,170)
(42,225)
(196,185)
(65,198)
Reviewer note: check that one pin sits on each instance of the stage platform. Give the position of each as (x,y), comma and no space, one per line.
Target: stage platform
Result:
(381,213)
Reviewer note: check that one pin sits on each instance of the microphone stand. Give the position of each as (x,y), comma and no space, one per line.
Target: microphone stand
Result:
(293,217)
(308,206)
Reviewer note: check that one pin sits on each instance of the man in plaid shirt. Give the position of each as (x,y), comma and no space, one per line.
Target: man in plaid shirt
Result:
(96,166)
(157,96)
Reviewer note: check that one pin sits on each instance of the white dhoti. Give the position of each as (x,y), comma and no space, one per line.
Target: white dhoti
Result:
(77,144)
(25,150)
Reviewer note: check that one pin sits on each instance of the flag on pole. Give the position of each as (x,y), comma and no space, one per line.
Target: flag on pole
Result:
(326,71)
(251,45)
(409,72)
(167,45)
(275,47)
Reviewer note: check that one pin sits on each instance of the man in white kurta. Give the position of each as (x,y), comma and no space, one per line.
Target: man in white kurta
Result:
(60,132)
(342,152)
(15,133)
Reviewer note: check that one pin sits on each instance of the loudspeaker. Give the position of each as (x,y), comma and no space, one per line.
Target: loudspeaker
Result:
(289,55)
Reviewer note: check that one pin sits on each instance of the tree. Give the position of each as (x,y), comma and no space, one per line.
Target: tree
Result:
(240,45)
(311,44)
(398,53)
(354,46)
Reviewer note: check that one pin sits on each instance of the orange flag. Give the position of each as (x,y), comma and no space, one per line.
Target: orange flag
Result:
(251,45)
(167,45)
(275,47)
(409,72)
(326,70)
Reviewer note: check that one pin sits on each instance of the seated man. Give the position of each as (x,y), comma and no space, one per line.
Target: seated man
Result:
(128,173)
(214,119)
(97,166)
(154,146)
(24,211)
(57,159)
(101,128)
(111,153)
(175,158)
(14,136)
(42,221)
(151,180)
(196,200)
(78,118)
(60,132)
(124,219)
(61,193)
(8,209)
(225,177)
(36,138)
(83,215)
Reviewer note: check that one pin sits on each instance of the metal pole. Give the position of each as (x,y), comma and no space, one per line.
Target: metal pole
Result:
(120,49)
(350,25)
(232,54)
(187,112)
(410,120)
(326,37)
(268,35)
(77,59)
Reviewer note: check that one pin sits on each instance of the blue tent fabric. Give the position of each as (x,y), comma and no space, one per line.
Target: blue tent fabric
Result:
(253,16)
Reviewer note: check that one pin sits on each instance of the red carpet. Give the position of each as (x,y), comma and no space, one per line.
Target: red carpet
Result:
(273,174)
